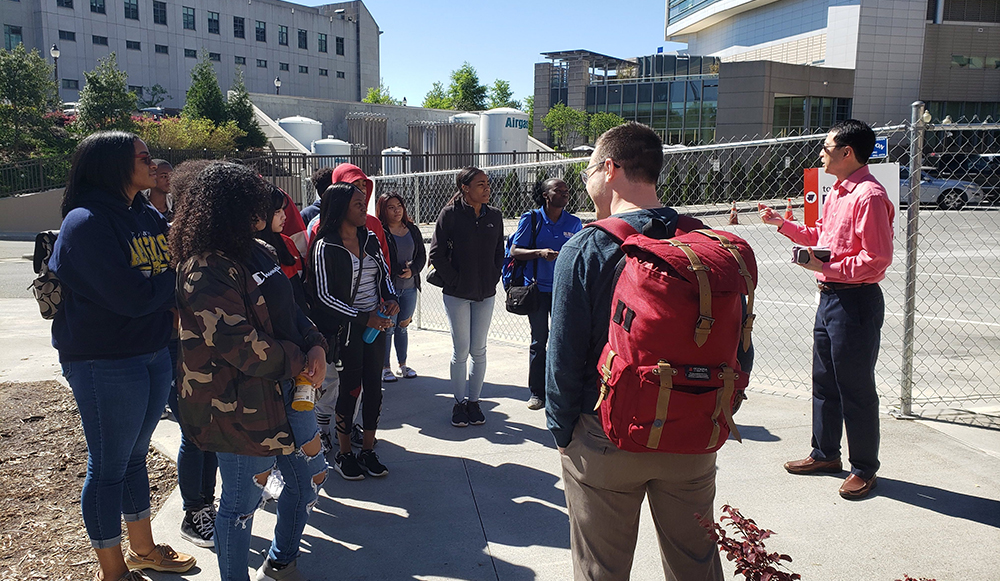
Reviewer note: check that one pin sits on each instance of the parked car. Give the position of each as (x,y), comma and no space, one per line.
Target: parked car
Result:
(984,170)
(71,108)
(947,194)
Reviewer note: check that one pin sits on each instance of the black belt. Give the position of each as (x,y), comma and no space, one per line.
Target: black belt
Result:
(830,287)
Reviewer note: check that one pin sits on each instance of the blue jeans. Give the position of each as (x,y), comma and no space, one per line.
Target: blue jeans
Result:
(195,468)
(303,424)
(539,321)
(470,322)
(407,304)
(120,403)
(242,495)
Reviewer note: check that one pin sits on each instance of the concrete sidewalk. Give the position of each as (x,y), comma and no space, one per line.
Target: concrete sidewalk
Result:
(486,502)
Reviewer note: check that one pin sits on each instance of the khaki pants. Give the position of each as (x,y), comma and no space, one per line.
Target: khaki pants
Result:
(605,487)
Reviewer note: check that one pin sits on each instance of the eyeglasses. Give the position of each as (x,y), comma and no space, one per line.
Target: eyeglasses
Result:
(830,150)
(145,157)
(585,174)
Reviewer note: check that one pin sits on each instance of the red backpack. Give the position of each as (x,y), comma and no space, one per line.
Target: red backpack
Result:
(670,378)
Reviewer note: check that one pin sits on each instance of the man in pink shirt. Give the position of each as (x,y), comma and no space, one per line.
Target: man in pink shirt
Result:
(857,228)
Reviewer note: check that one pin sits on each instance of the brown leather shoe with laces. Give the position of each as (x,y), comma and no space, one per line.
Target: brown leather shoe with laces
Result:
(811,465)
(162,558)
(856,487)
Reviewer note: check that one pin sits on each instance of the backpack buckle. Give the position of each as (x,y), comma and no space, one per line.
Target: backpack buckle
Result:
(704,323)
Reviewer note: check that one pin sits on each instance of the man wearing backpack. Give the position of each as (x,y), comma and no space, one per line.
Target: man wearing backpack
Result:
(605,486)
(857,228)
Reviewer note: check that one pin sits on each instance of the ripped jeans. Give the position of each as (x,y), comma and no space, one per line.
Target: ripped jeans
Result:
(242,494)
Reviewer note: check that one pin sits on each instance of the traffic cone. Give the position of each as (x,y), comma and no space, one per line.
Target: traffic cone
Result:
(734,217)
(788,211)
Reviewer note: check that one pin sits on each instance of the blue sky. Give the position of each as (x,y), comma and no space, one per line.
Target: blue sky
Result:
(424,40)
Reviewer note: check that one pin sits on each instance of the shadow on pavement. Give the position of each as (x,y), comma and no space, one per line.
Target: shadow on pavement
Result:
(954,504)
(757,433)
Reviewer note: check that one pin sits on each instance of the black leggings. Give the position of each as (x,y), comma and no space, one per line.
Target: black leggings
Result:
(362,374)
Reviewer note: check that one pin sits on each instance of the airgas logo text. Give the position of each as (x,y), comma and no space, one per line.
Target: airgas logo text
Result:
(516,123)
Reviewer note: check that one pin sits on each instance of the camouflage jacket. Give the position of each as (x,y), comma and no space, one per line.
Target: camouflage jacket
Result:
(230,364)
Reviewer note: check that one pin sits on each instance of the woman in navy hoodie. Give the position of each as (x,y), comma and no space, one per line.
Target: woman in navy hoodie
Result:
(111,334)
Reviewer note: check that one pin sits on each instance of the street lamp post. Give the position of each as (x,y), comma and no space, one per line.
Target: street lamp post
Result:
(54,53)
(277,86)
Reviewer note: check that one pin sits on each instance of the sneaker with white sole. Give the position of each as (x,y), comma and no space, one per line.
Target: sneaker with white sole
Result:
(270,571)
(347,466)
(406,372)
(387,375)
(535,403)
(198,527)
(476,417)
(368,460)
(459,415)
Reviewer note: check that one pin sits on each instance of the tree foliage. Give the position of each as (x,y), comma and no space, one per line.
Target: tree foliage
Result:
(27,93)
(204,97)
(465,92)
(157,95)
(189,133)
(240,111)
(105,101)
(529,103)
(437,97)
(563,121)
(500,95)
(380,95)
(601,122)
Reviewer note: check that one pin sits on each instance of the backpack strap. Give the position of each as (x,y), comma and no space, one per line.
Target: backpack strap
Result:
(723,406)
(615,227)
(666,374)
(725,243)
(704,324)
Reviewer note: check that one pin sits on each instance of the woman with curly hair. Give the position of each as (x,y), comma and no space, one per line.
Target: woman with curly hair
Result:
(111,333)
(243,340)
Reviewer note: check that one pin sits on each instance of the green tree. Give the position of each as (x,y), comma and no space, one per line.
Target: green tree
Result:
(465,92)
(437,98)
(240,110)
(380,95)
(105,101)
(27,93)
(500,95)
(601,122)
(563,121)
(157,95)
(204,97)
(529,103)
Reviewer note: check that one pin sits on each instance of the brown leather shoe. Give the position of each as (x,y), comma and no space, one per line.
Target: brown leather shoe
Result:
(811,465)
(856,487)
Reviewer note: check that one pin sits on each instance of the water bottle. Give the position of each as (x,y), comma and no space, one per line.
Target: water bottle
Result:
(370,332)
(304,396)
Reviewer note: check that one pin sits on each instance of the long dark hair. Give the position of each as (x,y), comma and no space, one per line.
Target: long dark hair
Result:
(382,204)
(104,161)
(464,177)
(219,212)
(333,207)
(278,202)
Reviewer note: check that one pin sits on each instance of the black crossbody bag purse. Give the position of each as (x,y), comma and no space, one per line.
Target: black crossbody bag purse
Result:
(522,299)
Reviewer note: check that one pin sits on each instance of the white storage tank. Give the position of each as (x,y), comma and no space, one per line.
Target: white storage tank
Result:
(394,161)
(473,118)
(303,129)
(503,130)
(335,151)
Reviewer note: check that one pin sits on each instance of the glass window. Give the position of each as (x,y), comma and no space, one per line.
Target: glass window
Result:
(282,35)
(959,61)
(661,92)
(591,97)
(282,66)
(73,84)
(710,90)
(261,31)
(213,22)
(645,93)
(159,12)
(240,60)
(190,53)
(67,35)
(797,114)
(682,66)
(303,39)
(677,92)
(693,91)
(975,62)
(340,45)
(261,63)
(97,6)
(324,73)
(239,27)
(340,74)
(11,36)
(64,3)
(602,97)
(133,45)
(187,15)
(100,40)
(628,94)
(303,69)
(132,9)
(781,112)
(614,95)
(215,56)
(161,49)
(675,116)
(321,42)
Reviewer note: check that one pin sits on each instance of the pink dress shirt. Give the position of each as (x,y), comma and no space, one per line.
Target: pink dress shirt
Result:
(857,228)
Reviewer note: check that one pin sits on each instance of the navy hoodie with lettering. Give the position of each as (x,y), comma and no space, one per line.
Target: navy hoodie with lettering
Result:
(118,287)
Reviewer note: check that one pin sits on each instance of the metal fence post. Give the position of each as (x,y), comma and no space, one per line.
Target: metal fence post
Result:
(917,129)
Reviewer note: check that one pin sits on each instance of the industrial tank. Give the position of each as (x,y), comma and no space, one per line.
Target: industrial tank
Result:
(503,130)
(334,151)
(303,129)
(394,160)
(469,118)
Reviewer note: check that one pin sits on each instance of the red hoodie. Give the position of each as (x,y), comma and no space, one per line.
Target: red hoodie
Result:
(350,173)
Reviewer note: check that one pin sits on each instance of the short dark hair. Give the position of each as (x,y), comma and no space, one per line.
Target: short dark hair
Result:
(103,161)
(322,179)
(636,148)
(858,135)
(538,192)
(162,162)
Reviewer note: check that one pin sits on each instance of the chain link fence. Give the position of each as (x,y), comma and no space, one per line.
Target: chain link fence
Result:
(938,351)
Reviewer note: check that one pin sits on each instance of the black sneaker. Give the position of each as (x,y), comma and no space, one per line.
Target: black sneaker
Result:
(476,417)
(368,460)
(347,466)
(198,527)
(358,437)
(459,415)
(326,441)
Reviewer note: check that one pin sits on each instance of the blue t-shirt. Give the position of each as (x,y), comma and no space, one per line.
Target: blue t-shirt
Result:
(550,235)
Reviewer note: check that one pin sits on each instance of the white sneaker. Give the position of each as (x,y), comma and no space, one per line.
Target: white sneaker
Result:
(387,376)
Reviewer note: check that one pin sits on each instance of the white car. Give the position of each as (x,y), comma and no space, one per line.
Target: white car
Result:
(947,194)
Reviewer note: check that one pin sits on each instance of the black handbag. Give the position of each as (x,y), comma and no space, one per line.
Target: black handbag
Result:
(522,299)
